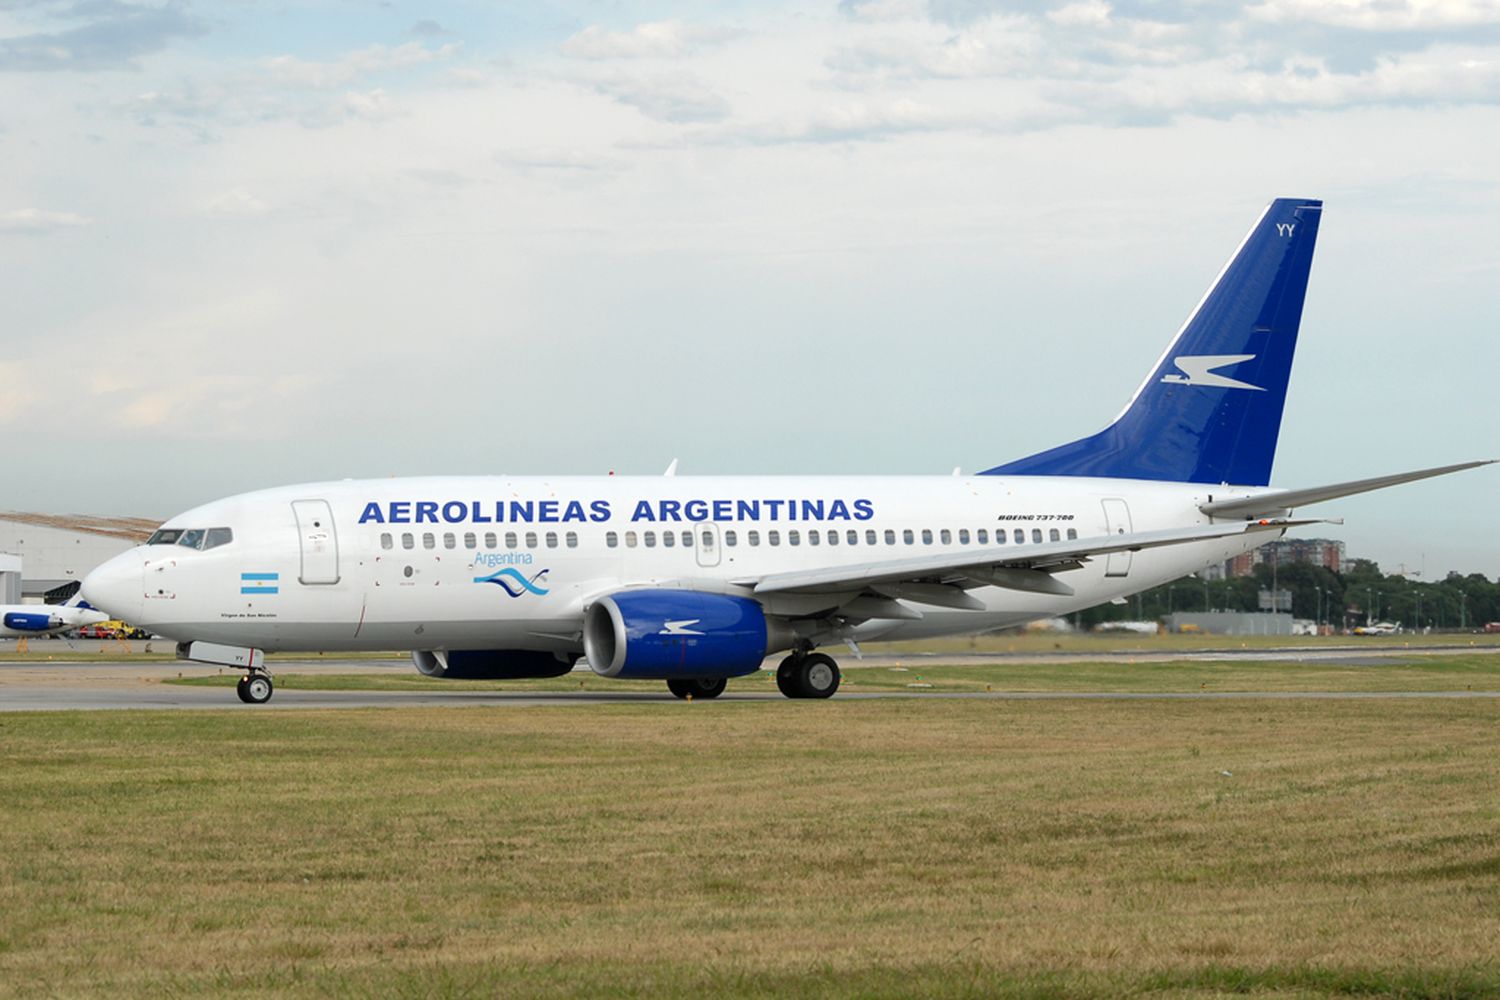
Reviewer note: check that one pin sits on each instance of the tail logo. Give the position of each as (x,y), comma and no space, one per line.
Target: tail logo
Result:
(1199,370)
(513,583)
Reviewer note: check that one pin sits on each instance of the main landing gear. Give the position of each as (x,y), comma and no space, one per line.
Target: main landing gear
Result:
(255,688)
(697,687)
(808,675)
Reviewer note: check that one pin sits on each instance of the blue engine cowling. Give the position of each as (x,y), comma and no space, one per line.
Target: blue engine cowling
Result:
(666,634)
(492,664)
(21,621)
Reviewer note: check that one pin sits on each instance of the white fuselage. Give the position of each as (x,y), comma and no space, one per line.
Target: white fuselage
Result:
(511,563)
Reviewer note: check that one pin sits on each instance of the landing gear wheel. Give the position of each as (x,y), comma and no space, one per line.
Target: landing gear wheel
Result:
(697,687)
(786,676)
(255,689)
(818,676)
(808,675)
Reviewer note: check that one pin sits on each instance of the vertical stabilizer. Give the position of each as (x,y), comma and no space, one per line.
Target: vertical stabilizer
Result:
(1210,410)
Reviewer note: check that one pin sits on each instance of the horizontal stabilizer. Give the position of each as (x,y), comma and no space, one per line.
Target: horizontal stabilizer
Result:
(1264,504)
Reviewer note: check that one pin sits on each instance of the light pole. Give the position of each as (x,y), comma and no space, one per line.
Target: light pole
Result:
(1319,618)
(1205,595)
(1461,600)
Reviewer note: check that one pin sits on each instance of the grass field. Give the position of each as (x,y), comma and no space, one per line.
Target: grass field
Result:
(1420,672)
(889,848)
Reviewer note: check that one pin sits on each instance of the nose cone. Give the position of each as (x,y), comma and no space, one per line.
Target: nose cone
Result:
(115,587)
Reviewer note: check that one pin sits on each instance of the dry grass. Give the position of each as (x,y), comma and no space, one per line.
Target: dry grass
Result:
(857,848)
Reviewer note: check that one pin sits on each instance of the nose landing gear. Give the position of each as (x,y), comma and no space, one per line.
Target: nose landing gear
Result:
(255,688)
(808,675)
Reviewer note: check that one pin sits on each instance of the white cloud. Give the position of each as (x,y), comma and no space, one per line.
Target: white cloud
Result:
(38,220)
(236,203)
(659,39)
(1380,15)
(357,65)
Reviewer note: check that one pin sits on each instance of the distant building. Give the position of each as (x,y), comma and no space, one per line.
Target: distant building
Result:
(52,551)
(1325,552)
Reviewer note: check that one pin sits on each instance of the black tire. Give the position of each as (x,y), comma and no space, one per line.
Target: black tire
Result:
(697,687)
(239,689)
(258,689)
(786,676)
(818,676)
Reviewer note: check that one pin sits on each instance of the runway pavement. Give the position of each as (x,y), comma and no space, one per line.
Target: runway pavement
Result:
(39,685)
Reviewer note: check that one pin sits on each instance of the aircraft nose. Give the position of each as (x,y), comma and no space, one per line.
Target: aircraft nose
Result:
(115,586)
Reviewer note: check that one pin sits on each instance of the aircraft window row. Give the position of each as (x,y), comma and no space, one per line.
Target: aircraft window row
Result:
(471,540)
(192,538)
(772,537)
(214,537)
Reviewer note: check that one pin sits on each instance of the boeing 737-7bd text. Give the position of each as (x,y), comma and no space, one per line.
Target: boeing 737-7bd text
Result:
(693,580)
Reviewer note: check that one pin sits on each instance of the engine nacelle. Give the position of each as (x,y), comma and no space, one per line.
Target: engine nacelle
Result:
(491,664)
(22,621)
(666,634)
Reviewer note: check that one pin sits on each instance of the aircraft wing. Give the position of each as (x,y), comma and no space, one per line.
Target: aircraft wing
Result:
(1021,567)
(1266,504)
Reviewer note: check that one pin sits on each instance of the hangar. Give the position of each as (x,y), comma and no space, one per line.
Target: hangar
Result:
(45,556)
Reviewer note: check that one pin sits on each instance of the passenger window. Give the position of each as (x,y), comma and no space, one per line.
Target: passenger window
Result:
(551,539)
(668,539)
(191,539)
(490,541)
(407,541)
(511,541)
(1036,535)
(946,537)
(908,537)
(449,540)
(223,536)
(870,536)
(753,537)
(471,541)
(926,536)
(1019,535)
(730,538)
(773,537)
(833,537)
(429,540)
(982,536)
(812,537)
(386,541)
(794,537)
(706,540)
(963,536)
(687,539)
(571,538)
(649,538)
(890,536)
(1053,536)
(531,539)
(1072,534)
(630,539)
(612,539)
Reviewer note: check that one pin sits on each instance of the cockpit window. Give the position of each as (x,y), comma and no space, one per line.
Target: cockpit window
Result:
(192,538)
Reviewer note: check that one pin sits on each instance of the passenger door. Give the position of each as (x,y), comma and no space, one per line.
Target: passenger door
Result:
(1116,522)
(320,544)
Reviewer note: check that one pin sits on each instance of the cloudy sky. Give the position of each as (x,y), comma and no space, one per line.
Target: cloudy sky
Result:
(255,243)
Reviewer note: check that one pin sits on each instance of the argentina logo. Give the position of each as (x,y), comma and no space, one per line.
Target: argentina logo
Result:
(514,583)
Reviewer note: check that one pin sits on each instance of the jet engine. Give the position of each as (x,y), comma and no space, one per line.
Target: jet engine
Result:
(668,634)
(22,621)
(492,664)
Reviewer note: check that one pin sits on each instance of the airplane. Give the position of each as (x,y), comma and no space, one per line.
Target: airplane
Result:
(22,621)
(693,580)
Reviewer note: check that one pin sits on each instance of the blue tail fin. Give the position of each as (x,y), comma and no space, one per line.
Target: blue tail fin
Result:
(1210,411)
